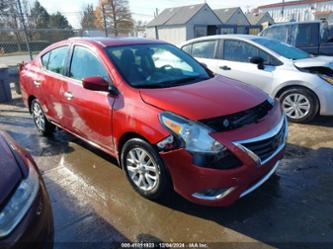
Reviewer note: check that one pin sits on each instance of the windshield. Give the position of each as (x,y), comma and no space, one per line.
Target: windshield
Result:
(156,65)
(282,49)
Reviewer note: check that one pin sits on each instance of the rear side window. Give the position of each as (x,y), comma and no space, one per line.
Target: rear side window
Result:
(307,35)
(204,49)
(45,59)
(56,60)
(85,64)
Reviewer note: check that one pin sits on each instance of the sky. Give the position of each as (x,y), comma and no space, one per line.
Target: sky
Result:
(143,9)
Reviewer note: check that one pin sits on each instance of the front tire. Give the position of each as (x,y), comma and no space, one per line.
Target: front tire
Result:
(145,169)
(300,104)
(44,127)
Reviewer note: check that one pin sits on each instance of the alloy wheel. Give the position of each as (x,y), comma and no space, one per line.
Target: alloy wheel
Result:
(142,169)
(296,105)
(38,116)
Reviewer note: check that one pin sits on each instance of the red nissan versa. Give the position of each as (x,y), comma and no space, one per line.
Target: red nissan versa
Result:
(167,119)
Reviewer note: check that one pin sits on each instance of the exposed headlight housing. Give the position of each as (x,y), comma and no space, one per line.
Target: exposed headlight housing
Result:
(194,137)
(19,203)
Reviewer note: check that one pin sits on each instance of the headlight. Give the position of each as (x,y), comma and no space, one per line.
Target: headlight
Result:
(327,78)
(194,137)
(19,203)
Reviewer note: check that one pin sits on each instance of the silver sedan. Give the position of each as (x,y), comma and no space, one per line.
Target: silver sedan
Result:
(302,82)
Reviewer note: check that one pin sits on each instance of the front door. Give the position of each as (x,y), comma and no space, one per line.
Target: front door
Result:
(90,112)
(234,63)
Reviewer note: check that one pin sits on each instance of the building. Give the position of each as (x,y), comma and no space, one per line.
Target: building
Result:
(234,21)
(232,16)
(177,25)
(263,18)
(302,10)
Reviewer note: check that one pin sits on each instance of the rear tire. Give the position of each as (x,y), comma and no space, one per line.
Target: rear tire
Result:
(44,127)
(300,104)
(145,169)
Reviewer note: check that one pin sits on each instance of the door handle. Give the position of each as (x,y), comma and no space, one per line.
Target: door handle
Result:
(37,83)
(68,95)
(225,68)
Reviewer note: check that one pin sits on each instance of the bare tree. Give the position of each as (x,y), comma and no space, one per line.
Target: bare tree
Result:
(117,15)
(10,19)
(88,18)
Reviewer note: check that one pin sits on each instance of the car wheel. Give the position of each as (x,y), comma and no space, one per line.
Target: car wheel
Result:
(145,169)
(299,104)
(44,127)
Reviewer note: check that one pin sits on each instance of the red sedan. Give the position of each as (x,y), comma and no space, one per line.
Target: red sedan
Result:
(168,120)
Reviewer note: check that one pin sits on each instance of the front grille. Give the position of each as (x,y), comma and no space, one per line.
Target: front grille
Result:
(239,119)
(267,147)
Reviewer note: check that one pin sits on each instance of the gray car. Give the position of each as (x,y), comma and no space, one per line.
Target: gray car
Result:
(302,82)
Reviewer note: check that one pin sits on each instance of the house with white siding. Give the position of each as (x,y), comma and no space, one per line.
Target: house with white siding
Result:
(302,10)
(180,24)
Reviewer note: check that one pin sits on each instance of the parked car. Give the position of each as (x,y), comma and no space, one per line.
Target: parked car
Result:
(303,83)
(25,212)
(168,120)
(313,37)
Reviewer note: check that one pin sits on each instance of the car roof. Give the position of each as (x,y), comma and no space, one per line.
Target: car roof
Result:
(109,42)
(295,23)
(229,36)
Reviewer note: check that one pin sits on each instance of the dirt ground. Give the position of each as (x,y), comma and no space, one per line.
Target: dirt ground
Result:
(94,205)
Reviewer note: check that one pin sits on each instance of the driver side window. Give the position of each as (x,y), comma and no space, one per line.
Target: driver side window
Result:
(241,51)
(85,64)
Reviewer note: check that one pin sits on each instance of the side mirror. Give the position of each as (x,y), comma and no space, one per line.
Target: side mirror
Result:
(95,84)
(259,61)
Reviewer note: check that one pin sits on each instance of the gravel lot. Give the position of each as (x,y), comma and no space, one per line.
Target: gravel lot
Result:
(92,201)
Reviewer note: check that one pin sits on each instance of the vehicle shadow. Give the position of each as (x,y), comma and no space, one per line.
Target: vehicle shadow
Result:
(326,121)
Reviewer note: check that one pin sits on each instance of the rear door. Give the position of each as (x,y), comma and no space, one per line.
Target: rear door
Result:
(235,63)
(51,80)
(89,112)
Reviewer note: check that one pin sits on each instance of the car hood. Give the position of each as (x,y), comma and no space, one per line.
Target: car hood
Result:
(10,171)
(215,97)
(318,61)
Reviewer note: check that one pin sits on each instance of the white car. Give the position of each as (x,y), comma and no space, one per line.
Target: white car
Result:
(303,83)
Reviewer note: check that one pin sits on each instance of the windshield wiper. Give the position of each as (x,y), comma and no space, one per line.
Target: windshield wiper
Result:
(179,82)
(187,80)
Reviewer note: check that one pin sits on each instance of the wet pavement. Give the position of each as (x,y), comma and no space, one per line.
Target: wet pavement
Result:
(92,201)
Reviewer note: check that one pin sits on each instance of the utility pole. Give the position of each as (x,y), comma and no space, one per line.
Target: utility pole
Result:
(24,28)
(282,11)
(104,21)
